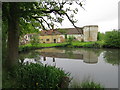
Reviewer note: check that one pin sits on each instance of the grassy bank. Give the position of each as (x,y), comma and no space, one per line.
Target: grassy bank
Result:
(97,44)
(39,46)
(75,44)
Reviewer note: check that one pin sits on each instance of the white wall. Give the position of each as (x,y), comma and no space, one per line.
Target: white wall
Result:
(77,36)
(90,33)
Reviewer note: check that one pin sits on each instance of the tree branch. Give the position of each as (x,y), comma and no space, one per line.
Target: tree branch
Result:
(39,22)
(36,17)
(72,23)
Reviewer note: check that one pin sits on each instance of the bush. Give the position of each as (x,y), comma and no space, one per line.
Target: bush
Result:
(70,39)
(101,36)
(37,76)
(112,39)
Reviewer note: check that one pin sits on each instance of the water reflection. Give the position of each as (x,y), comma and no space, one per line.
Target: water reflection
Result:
(87,55)
(112,56)
(29,57)
(99,64)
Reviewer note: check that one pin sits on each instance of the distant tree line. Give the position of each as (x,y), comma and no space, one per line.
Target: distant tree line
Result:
(110,38)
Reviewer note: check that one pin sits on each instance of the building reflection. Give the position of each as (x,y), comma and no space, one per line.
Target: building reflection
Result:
(88,56)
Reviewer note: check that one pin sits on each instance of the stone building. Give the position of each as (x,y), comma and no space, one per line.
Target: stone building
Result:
(86,33)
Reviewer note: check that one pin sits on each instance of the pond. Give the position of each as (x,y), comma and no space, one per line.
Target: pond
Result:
(99,65)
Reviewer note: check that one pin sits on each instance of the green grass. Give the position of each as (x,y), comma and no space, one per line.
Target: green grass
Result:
(87,84)
(41,45)
(34,76)
(97,44)
(74,44)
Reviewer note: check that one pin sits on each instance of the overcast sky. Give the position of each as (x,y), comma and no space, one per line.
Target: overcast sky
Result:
(103,13)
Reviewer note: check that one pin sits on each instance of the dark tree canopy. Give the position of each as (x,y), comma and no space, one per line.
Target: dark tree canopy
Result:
(26,17)
(41,15)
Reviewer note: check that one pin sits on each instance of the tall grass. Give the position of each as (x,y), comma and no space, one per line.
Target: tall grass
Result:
(87,84)
(35,76)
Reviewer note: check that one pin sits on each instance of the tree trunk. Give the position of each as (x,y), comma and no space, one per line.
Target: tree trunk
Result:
(13,34)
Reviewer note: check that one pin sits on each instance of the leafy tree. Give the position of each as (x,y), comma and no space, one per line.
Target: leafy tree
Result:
(101,36)
(22,15)
(66,36)
(70,39)
(35,40)
(112,39)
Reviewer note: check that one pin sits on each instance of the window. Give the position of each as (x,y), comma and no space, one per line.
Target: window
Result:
(47,39)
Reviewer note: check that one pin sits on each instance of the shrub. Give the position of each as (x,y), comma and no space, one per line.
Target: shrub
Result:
(101,36)
(70,39)
(112,39)
(37,76)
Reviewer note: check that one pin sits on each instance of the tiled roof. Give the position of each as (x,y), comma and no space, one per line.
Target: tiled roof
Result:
(62,31)
(73,30)
(50,32)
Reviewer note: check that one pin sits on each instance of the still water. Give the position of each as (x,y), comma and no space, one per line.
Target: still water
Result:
(99,65)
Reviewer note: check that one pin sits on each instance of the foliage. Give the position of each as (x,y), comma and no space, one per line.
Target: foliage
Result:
(97,44)
(88,84)
(101,36)
(112,56)
(36,76)
(41,45)
(75,44)
(35,40)
(112,39)
(70,39)
(26,28)
(65,36)
(21,16)
(39,15)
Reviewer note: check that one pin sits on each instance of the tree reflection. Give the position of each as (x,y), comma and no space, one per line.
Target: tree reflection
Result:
(87,55)
(31,55)
(112,56)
